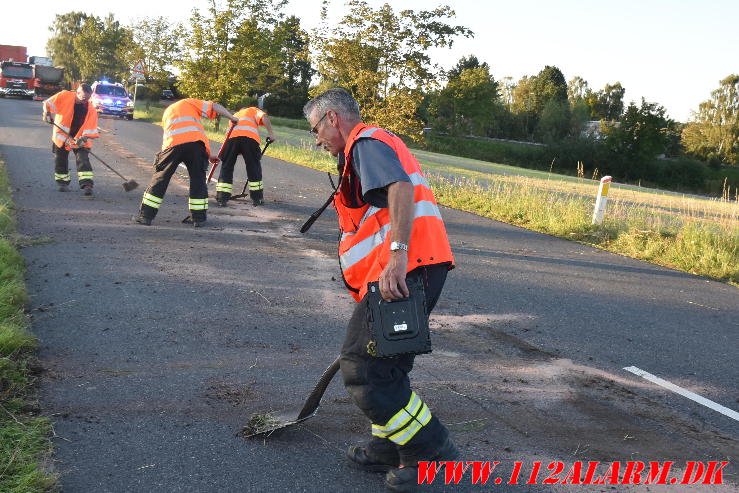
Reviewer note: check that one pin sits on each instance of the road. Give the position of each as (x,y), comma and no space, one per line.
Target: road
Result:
(158,343)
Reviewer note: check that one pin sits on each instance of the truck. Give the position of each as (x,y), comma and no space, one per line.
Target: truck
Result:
(48,80)
(12,53)
(16,79)
(40,60)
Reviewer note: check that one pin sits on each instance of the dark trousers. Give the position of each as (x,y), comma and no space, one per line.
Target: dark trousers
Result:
(247,148)
(380,386)
(61,165)
(193,155)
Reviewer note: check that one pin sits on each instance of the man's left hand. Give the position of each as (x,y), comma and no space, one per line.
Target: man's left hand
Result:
(81,141)
(392,278)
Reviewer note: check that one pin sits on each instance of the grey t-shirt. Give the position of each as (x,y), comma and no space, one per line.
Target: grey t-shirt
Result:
(377,166)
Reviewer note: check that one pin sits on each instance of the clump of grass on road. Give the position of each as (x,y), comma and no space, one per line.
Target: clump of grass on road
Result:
(24,442)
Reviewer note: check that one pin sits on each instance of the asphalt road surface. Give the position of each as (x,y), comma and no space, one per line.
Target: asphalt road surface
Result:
(158,343)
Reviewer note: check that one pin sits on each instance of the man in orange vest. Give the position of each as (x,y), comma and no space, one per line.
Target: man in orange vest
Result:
(78,120)
(391,231)
(244,140)
(184,142)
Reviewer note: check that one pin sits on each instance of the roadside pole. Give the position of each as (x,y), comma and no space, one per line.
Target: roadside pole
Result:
(137,72)
(601,200)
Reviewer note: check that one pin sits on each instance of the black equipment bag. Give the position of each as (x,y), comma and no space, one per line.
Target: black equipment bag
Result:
(400,326)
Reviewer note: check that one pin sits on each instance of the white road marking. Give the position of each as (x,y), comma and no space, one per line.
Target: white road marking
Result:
(685,393)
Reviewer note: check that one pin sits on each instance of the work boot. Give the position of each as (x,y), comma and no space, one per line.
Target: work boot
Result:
(222,198)
(64,187)
(87,190)
(141,219)
(405,478)
(197,220)
(257,197)
(377,455)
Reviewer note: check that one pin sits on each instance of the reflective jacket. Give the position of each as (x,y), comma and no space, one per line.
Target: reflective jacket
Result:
(249,121)
(61,105)
(181,122)
(364,248)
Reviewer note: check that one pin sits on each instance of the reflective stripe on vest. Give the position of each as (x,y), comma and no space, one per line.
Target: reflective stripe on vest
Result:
(182,123)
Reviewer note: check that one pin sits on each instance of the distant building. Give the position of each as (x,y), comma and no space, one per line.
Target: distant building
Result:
(592,129)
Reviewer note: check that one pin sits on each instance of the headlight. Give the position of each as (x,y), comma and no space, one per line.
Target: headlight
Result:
(129,103)
(108,101)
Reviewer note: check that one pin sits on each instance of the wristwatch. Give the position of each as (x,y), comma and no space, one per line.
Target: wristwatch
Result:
(396,245)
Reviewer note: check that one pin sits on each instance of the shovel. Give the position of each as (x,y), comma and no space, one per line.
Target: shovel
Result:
(128,185)
(261,424)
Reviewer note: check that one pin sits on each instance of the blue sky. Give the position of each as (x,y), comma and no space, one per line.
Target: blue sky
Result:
(670,52)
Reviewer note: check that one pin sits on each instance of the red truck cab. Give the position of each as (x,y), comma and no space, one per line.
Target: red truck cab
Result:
(16,79)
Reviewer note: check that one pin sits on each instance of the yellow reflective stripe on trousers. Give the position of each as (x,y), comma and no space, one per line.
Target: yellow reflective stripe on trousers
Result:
(418,422)
(256,185)
(198,204)
(400,419)
(84,175)
(61,177)
(151,200)
(224,187)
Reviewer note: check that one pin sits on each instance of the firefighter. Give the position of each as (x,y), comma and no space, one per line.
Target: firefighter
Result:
(244,140)
(391,230)
(74,114)
(184,142)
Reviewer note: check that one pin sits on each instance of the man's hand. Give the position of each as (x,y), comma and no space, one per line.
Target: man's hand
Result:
(48,117)
(271,138)
(81,141)
(392,278)
(214,160)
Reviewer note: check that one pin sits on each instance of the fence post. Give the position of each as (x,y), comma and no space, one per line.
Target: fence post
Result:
(601,200)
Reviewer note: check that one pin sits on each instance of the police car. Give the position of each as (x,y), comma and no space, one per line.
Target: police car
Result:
(111,99)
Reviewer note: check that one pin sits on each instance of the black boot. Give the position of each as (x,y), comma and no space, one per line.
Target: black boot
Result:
(222,198)
(142,219)
(257,197)
(377,455)
(197,219)
(405,478)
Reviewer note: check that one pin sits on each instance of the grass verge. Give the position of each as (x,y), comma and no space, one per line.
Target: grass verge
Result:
(24,436)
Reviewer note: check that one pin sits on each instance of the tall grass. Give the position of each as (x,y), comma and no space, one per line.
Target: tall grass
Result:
(24,441)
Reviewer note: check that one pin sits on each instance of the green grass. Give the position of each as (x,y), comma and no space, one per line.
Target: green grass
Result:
(24,437)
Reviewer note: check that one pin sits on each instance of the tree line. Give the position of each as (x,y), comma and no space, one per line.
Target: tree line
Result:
(234,51)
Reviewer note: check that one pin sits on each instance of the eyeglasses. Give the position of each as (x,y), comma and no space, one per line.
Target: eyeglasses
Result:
(314,130)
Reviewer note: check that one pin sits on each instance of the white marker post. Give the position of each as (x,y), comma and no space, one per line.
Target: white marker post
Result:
(601,200)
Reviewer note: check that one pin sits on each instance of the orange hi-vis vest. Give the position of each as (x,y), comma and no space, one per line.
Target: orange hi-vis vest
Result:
(61,105)
(181,122)
(364,248)
(249,121)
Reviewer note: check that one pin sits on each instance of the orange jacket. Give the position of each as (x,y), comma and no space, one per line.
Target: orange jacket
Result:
(249,121)
(61,105)
(364,248)
(181,122)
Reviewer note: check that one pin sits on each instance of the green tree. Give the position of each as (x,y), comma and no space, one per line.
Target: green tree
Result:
(381,57)
(463,64)
(468,103)
(533,94)
(643,133)
(713,135)
(577,88)
(101,49)
(228,53)
(60,46)
(156,42)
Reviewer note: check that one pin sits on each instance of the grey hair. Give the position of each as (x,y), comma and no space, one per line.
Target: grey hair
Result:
(337,99)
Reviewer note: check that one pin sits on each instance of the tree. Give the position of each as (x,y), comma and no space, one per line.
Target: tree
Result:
(463,64)
(532,94)
(714,133)
(382,58)
(577,88)
(228,53)
(156,42)
(643,133)
(88,47)
(468,103)
(60,46)
(607,104)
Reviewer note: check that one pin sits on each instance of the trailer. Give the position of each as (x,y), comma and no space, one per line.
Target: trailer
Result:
(47,80)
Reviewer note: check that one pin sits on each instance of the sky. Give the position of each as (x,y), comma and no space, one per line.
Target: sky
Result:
(671,52)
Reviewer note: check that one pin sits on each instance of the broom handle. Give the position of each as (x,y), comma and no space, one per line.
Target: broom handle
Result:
(220,152)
